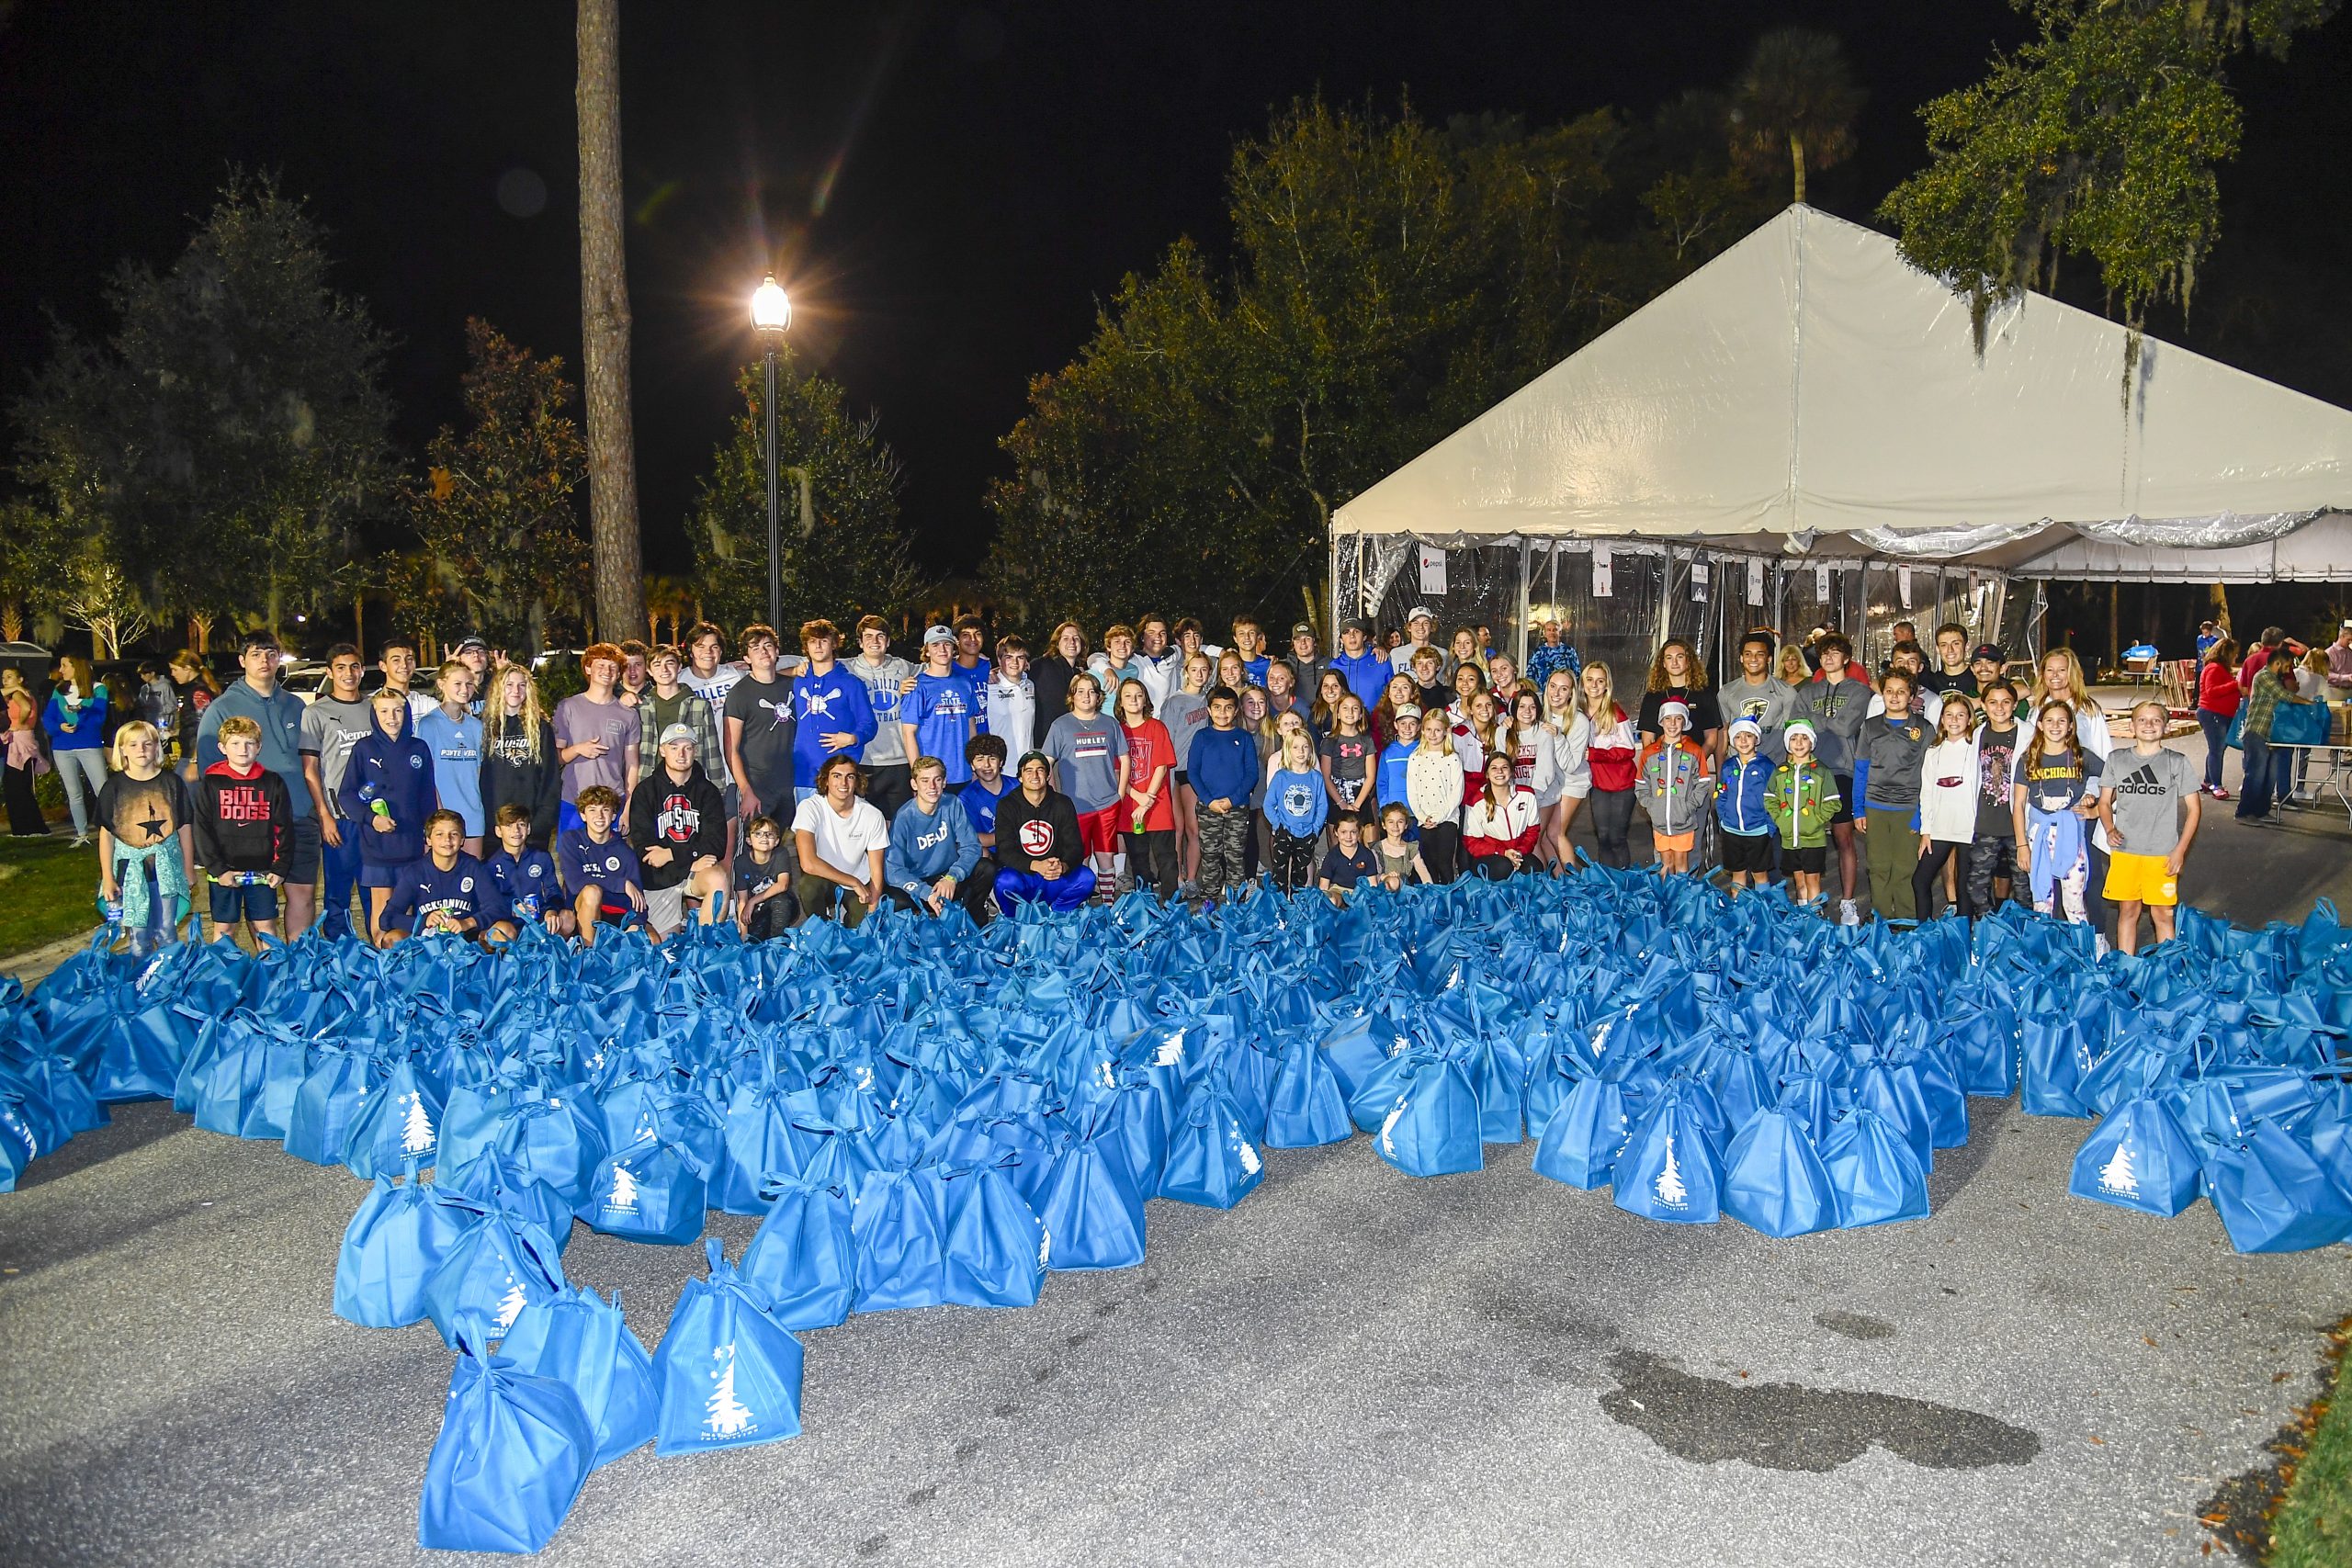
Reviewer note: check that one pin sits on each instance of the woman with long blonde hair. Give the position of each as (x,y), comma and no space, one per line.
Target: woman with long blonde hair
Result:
(519,758)
(1571,736)
(1610,753)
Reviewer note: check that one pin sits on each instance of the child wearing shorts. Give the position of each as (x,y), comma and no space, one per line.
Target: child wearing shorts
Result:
(244,831)
(1674,784)
(1802,801)
(2141,799)
(1739,808)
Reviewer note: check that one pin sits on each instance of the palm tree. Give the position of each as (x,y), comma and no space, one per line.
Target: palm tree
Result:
(1797,93)
(605,326)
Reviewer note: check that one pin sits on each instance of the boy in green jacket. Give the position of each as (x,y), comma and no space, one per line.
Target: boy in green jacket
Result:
(1801,800)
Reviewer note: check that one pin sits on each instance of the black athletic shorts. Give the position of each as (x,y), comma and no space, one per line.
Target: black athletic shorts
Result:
(1812,862)
(1845,812)
(1746,851)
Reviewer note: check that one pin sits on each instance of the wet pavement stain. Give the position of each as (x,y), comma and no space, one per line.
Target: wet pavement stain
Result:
(1782,1426)
(1854,1326)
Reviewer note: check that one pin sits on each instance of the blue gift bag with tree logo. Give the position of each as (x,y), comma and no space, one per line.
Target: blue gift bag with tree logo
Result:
(583,1342)
(400,1121)
(650,1190)
(1774,1180)
(1896,1096)
(1583,1137)
(727,1373)
(2137,1158)
(2272,1195)
(1090,1205)
(995,1248)
(1670,1170)
(900,1238)
(804,1257)
(1305,1109)
(498,1266)
(1876,1176)
(513,1451)
(326,1104)
(399,1235)
(1433,1125)
(493,1182)
(1211,1160)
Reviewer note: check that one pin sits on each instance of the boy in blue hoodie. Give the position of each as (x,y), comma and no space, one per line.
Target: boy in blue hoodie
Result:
(934,856)
(1224,767)
(387,793)
(831,714)
(445,890)
(524,874)
(1739,808)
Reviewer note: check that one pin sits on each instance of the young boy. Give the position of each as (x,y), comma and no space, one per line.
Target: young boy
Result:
(448,890)
(1992,856)
(1801,801)
(524,874)
(1348,863)
(1887,758)
(936,716)
(985,791)
(2141,807)
(244,831)
(1673,783)
(1224,766)
(1739,807)
(677,824)
(1400,858)
(763,901)
(599,870)
(1011,702)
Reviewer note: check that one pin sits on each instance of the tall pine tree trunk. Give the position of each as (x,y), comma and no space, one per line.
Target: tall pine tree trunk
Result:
(605,325)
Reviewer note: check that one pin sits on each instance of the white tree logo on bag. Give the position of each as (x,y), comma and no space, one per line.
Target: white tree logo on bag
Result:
(623,1197)
(2117,1177)
(724,1415)
(509,1305)
(1670,1189)
(1387,1144)
(416,1127)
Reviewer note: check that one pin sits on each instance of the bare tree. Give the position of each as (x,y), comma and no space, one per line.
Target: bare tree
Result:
(604,327)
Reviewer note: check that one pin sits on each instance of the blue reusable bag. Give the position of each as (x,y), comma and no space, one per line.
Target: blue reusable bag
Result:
(1895,1094)
(1434,1127)
(996,1249)
(583,1342)
(1670,1170)
(1305,1107)
(144,1046)
(399,1235)
(325,1104)
(400,1121)
(2272,1195)
(1211,1160)
(1582,1141)
(902,1245)
(554,1138)
(1986,1054)
(248,1090)
(804,1256)
(727,1373)
(1774,1180)
(1091,1208)
(2137,1158)
(762,1143)
(1876,1176)
(493,1182)
(498,1266)
(650,1190)
(513,1451)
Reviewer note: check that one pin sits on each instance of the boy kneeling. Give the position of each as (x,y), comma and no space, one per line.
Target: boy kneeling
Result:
(448,890)
(599,870)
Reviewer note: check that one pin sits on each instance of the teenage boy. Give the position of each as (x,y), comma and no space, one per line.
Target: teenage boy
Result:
(1993,855)
(1886,772)
(1986,664)
(385,794)
(759,729)
(399,662)
(336,720)
(1906,636)
(707,674)
(764,907)
(599,870)
(474,654)
(969,662)
(677,825)
(1037,844)
(830,712)
(245,829)
(1420,625)
(935,857)
(936,718)
(839,841)
(1306,665)
(2140,803)
(445,890)
(277,713)
(1011,709)
(1118,662)
(1224,767)
(1435,694)
(1756,694)
(887,679)
(596,735)
(1953,671)
(1837,705)
(1157,664)
(668,701)
(1249,641)
(986,789)
(1359,664)
(1347,865)
(524,873)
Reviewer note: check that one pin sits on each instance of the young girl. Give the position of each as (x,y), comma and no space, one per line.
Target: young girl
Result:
(1150,827)
(1186,714)
(454,733)
(1298,802)
(1571,733)
(1266,730)
(146,846)
(1801,801)
(2055,776)
(1348,758)
(1400,692)
(518,755)
(1089,753)
(1739,806)
(76,722)
(1499,828)
(2062,682)
(1400,857)
(25,757)
(1947,790)
(1434,790)
(1676,784)
(1610,753)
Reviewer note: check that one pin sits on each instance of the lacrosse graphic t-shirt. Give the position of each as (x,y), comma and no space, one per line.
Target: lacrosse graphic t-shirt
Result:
(764,708)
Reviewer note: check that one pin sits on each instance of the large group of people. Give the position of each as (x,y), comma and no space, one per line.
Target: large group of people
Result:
(767,786)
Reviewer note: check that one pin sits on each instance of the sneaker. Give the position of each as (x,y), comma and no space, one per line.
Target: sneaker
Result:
(2099,947)
(2218,793)
(1847,914)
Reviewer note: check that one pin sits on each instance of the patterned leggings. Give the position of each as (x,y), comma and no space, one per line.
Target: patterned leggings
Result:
(1222,837)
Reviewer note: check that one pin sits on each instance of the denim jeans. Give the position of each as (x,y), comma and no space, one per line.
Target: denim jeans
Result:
(2216,727)
(2257,789)
(341,871)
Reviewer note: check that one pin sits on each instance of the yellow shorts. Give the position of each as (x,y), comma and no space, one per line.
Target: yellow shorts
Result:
(2142,879)
(1673,841)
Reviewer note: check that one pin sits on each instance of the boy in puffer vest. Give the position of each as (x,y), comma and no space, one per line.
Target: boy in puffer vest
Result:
(1673,783)
(1801,800)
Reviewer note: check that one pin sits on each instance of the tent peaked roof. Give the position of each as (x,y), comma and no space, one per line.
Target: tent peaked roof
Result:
(1810,379)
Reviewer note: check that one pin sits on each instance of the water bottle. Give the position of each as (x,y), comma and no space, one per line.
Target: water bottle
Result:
(110,910)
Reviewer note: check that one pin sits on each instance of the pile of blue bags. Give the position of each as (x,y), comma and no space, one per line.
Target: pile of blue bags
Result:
(922,1112)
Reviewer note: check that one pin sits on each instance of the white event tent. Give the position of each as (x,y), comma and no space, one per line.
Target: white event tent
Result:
(1804,431)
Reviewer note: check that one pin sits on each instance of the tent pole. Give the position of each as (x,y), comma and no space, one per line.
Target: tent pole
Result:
(1519,642)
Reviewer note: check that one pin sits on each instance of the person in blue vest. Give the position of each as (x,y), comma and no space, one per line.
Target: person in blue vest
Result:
(831,713)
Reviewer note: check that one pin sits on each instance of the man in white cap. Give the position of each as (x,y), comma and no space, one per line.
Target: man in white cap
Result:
(677,825)
(936,718)
(1421,623)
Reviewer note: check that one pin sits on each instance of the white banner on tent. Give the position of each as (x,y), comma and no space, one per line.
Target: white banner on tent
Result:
(1754,581)
(1433,569)
(1821,586)
(1699,581)
(1903,584)
(1604,579)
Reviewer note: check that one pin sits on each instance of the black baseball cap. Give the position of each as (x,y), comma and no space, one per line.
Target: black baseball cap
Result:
(1989,650)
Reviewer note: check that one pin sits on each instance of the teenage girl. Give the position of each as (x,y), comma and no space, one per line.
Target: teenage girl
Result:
(1610,753)
(2056,776)
(1571,734)
(1947,805)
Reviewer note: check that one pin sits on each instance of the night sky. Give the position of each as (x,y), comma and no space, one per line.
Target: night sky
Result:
(948,189)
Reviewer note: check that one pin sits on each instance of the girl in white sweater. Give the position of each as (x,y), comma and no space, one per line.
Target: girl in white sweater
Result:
(1947,803)
(1433,791)
(1571,780)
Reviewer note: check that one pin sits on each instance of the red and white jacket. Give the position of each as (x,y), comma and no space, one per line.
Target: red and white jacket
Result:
(1612,752)
(1488,831)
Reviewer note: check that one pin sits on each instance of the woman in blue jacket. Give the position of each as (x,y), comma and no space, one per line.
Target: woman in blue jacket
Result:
(77,721)
(388,793)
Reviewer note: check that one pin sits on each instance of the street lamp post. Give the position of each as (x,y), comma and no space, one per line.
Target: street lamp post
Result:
(772,313)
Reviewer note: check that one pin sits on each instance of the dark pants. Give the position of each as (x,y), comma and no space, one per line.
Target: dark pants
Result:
(342,870)
(1990,859)
(887,788)
(2216,727)
(1493,868)
(1442,848)
(1613,821)
(1292,861)
(1927,879)
(977,893)
(2260,786)
(1152,857)
(1223,836)
(24,819)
